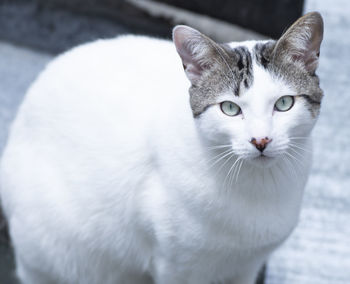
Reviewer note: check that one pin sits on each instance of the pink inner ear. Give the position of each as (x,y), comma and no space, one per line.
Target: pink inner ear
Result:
(185,39)
(193,71)
(192,68)
(309,58)
(188,60)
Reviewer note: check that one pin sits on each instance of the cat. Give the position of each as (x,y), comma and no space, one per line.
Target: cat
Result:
(137,160)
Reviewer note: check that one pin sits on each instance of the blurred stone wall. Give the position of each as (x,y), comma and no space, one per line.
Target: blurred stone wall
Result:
(269,17)
(57,25)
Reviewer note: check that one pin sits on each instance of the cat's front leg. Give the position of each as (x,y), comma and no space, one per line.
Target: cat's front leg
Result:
(167,272)
(244,279)
(27,275)
(248,276)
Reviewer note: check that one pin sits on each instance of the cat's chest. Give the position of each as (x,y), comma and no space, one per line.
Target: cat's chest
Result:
(240,225)
(217,236)
(253,215)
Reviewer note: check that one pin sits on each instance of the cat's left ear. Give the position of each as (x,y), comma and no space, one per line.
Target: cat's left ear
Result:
(195,49)
(301,42)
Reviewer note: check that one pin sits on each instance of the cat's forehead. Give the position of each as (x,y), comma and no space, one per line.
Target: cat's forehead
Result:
(235,74)
(265,87)
(263,80)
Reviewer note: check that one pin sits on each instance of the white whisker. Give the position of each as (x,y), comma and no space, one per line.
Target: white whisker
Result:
(228,173)
(296,152)
(218,155)
(229,158)
(218,160)
(239,169)
(219,147)
(299,138)
(234,172)
(295,159)
(299,147)
(290,165)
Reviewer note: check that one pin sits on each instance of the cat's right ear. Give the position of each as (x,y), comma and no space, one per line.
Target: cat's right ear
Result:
(301,42)
(193,48)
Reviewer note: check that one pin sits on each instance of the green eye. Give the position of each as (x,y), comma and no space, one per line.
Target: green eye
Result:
(230,108)
(284,103)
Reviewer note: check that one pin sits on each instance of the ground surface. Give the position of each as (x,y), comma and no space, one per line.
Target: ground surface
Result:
(18,68)
(319,250)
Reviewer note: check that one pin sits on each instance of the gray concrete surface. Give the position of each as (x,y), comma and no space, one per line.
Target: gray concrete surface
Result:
(7,275)
(18,68)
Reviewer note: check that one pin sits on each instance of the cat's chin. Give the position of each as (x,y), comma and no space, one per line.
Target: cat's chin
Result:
(263,161)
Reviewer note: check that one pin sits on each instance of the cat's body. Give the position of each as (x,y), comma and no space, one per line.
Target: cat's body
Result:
(108,178)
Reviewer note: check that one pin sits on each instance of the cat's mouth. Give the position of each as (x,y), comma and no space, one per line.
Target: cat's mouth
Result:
(263,160)
(263,157)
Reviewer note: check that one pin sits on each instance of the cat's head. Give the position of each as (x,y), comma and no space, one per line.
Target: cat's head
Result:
(260,97)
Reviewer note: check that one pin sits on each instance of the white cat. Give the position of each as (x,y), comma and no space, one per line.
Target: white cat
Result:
(111,175)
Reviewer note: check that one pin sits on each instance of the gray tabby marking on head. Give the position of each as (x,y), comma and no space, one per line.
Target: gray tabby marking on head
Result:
(304,83)
(242,60)
(294,59)
(212,68)
(231,72)
(215,68)
(262,52)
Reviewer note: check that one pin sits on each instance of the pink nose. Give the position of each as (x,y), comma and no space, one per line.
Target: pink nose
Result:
(260,144)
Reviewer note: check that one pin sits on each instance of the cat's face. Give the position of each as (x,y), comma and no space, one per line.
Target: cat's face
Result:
(270,112)
(260,99)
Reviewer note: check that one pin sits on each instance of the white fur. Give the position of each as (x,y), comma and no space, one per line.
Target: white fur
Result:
(108,178)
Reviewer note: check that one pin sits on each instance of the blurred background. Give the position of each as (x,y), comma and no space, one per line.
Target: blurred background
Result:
(32,32)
